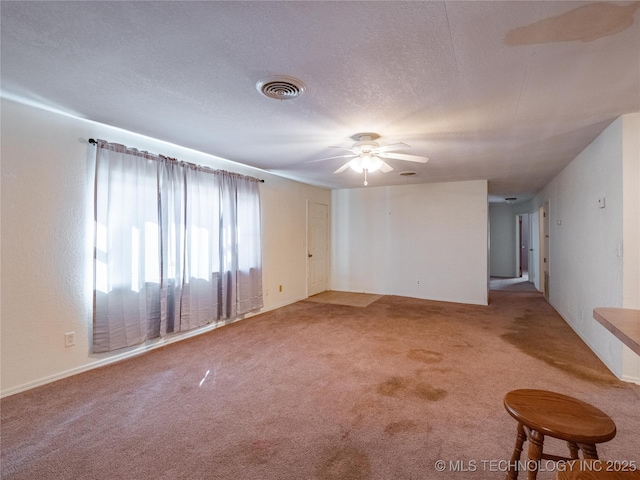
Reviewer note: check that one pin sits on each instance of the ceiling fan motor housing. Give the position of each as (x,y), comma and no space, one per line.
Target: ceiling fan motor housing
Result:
(365,146)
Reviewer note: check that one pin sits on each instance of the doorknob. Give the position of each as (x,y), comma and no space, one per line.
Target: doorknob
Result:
(309,255)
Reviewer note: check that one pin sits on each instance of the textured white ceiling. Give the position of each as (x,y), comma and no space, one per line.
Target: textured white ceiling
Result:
(505,91)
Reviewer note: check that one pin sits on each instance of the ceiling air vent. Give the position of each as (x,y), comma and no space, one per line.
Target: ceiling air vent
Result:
(281,87)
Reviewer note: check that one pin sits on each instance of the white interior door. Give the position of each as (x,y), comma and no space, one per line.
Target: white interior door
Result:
(317,256)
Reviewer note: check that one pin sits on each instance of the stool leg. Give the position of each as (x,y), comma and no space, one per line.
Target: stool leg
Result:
(536,443)
(512,472)
(573,450)
(589,450)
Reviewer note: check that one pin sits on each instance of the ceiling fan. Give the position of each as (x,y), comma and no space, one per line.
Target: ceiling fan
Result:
(367,155)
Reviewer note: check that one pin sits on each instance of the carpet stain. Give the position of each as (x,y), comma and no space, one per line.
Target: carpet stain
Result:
(346,432)
(393,386)
(530,334)
(425,356)
(427,392)
(345,463)
(365,409)
(401,386)
(261,444)
(402,426)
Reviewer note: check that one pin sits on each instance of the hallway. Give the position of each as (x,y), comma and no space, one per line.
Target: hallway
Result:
(515,284)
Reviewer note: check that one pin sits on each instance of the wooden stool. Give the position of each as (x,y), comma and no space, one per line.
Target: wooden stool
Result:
(598,470)
(541,413)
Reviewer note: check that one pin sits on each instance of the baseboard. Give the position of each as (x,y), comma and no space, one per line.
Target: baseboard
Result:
(147,347)
(593,349)
(630,379)
(86,367)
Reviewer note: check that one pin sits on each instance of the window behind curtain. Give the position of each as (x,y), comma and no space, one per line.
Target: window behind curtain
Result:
(176,247)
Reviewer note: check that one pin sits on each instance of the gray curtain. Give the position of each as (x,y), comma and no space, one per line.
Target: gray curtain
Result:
(177,246)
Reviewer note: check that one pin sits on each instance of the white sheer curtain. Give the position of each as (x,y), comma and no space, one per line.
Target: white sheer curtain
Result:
(240,256)
(249,284)
(176,247)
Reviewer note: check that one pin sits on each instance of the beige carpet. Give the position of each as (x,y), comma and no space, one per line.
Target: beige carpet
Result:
(348,299)
(516,284)
(318,391)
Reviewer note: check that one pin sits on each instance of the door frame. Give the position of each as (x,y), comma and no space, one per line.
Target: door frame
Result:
(545,267)
(523,219)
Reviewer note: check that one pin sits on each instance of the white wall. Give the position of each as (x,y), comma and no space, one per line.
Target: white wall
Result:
(588,244)
(385,239)
(631,211)
(502,240)
(284,221)
(631,232)
(46,260)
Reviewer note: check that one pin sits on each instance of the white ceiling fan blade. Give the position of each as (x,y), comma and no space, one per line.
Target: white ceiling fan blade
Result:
(393,147)
(331,158)
(341,148)
(403,156)
(343,168)
(385,167)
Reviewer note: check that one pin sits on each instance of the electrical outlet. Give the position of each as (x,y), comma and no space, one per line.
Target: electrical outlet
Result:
(69,339)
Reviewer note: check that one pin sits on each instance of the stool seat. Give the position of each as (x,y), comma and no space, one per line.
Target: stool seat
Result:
(560,416)
(542,413)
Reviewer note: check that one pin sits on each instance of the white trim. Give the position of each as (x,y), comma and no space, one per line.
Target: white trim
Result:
(147,347)
(630,379)
(619,376)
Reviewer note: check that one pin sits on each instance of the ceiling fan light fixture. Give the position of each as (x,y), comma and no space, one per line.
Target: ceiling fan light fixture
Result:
(367,156)
(370,162)
(365,161)
(356,165)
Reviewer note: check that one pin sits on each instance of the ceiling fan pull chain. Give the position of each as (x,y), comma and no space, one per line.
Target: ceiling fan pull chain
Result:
(365,178)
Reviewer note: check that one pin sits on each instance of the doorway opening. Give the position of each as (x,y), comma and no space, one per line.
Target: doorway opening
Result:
(523,263)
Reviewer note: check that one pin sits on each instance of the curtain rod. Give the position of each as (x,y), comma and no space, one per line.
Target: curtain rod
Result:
(93,141)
